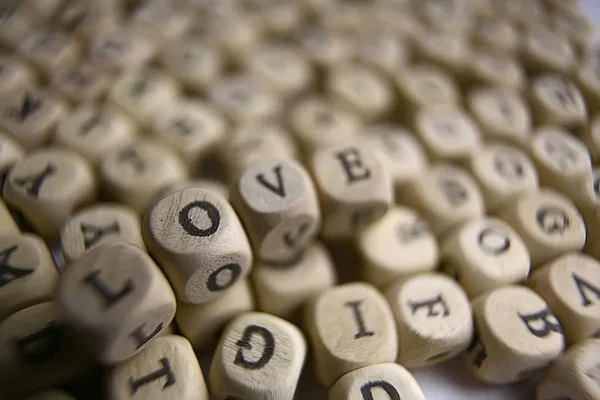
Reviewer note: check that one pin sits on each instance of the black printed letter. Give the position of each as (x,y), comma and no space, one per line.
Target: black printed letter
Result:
(389,389)
(42,345)
(549,326)
(352,164)
(234,272)
(92,233)
(164,371)
(110,297)
(430,304)
(244,342)
(33,184)
(142,339)
(493,241)
(277,189)
(8,273)
(213,214)
(360,323)
(582,285)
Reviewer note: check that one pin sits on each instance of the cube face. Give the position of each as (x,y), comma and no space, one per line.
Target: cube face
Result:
(117,311)
(97,225)
(350,326)
(278,289)
(278,203)
(181,230)
(356,188)
(424,85)
(253,349)
(325,48)
(574,374)
(382,50)
(449,50)
(556,100)
(501,114)
(546,50)
(504,173)
(121,49)
(392,379)
(548,223)
(166,369)
(494,68)
(570,284)
(38,351)
(48,186)
(433,318)
(396,246)
(29,275)
(49,50)
(136,173)
(82,82)
(497,33)
(516,334)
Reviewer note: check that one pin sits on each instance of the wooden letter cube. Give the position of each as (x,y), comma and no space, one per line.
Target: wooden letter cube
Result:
(545,49)
(98,224)
(397,245)
(27,273)
(485,254)
(350,326)
(570,284)
(433,318)
(548,223)
(278,204)
(82,82)
(516,335)
(259,356)
(497,69)
(37,351)
(166,370)
(199,242)
(503,173)
(121,49)
(354,186)
(283,290)
(49,50)
(374,380)
(116,299)
(445,196)
(48,186)
(555,100)
(574,375)
(202,323)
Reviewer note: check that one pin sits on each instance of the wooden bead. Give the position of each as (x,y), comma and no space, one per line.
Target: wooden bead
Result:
(94,130)
(15,75)
(450,51)
(548,223)
(502,115)
(283,290)
(496,69)
(570,284)
(192,128)
(325,48)
(136,173)
(503,173)
(258,356)
(354,186)
(99,224)
(10,153)
(121,49)
(350,326)
(382,50)
(48,186)
(82,82)
(574,375)
(445,196)
(421,86)
(252,142)
(115,310)
(361,89)
(202,323)
(447,134)
(199,242)
(8,226)
(161,21)
(396,246)
(193,62)
(37,351)
(562,160)
(28,273)
(16,24)
(244,98)
(393,379)
(555,100)
(144,93)
(166,369)
(51,395)
(485,254)
(497,34)
(433,318)
(318,122)
(282,68)
(516,335)
(545,50)
(401,152)
(31,116)
(278,205)
(49,50)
